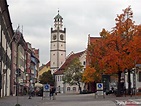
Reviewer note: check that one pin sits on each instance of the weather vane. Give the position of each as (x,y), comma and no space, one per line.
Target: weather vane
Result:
(58,10)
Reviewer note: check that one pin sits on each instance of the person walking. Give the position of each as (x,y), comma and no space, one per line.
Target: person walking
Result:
(30,91)
(42,92)
(51,93)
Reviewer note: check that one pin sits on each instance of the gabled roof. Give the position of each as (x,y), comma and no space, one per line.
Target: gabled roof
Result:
(44,65)
(41,67)
(70,58)
(48,64)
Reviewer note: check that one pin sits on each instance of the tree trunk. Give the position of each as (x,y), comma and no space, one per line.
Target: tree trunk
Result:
(129,82)
(79,87)
(119,84)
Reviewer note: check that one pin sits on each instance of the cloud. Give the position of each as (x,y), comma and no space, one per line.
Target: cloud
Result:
(80,18)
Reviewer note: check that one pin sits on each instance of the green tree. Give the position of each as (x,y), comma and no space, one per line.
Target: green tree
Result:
(73,73)
(47,77)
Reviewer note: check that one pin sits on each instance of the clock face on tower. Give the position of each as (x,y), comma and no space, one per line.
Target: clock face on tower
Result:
(54,37)
(62,37)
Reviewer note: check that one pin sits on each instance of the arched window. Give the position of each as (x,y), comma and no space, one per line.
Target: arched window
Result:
(68,88)
(74,88)
(84,63)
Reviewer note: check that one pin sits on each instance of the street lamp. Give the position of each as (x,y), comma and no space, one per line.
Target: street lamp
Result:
(18,74)
(30,84)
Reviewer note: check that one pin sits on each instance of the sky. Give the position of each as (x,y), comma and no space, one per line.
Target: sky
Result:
(80,18)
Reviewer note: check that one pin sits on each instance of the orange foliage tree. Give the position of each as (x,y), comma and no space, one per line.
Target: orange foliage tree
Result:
(117,50)
(94,55)
(88,75)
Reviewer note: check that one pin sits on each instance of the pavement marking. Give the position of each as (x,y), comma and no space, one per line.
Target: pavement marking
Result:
(129,102)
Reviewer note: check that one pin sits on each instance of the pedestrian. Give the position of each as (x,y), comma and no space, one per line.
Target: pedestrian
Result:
(112,89)
(42,92)
(30,91)
(51,93)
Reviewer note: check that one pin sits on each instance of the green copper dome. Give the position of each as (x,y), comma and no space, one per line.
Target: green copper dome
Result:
(58,16)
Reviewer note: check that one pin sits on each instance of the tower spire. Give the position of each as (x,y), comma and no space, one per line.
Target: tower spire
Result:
(58,10)
(58,21)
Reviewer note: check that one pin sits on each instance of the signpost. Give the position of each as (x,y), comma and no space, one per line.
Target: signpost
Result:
(99,87)
(46,87)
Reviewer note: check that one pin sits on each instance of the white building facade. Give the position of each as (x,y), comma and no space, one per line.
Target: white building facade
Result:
(69,89)
(66,88)
(135,78)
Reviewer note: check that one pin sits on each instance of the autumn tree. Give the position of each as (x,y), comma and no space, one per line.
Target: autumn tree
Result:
(73,73)
(111,53)
(104,33)
(126,30)
(89,75)
(47,78)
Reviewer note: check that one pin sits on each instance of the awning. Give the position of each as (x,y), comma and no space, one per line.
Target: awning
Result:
(38,84)
(138,65)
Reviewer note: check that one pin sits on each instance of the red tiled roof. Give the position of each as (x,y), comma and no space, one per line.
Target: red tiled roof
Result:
(48,64)
(67,62)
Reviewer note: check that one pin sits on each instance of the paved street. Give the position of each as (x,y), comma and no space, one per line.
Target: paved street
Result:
(68,100)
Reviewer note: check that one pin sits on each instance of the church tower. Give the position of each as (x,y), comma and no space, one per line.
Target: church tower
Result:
(57,44)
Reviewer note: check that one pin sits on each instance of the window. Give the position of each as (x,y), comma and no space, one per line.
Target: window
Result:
(68,88)
(55,77)
(0,33)
(84,63)
(54,37)
(58,78)
(74,88)
(139,77)
(61,37)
